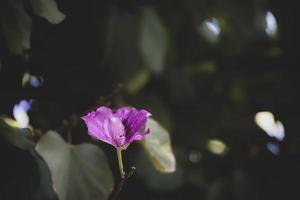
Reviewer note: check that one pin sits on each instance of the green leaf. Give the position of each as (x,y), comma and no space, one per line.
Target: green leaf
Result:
(48,9)
(45,189)
(78,172)
(22,138)
(153,41)
(19,137)
(16,25)
(122,56)
(158,147)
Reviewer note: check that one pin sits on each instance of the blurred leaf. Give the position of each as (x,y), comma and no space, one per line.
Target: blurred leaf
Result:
(22,138)
(206,67)
(153,40)
(48,9)
(122,56)
(158,147)
(136,83)
(167,181)
(19,137)
(45,189)
(16,25)
(78,172)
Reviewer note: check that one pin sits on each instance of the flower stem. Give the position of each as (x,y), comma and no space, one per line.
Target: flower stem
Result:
(119,153)
(119,187)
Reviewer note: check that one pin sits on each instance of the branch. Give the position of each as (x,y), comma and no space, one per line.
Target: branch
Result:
(117,190)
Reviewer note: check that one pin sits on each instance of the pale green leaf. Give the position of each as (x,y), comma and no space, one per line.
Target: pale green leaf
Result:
(158,147)
(153,40)
(78,172)
(49,10)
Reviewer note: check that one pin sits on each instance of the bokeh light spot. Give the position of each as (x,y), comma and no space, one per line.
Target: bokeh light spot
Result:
(20,113)
(266,121)
(271,24)
(273,148)
(210,30)
(20,116)
(195,156)
(32,80)
(216,147)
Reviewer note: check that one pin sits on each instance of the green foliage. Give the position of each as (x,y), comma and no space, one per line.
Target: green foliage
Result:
(158,147)
(81,171)
(48,9)
(45,188)
(122,55)
(16,23)
(78,171)
(154,40)
(21,138)
(200,80)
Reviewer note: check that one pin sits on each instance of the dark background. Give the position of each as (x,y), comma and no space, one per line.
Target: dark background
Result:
(202,91)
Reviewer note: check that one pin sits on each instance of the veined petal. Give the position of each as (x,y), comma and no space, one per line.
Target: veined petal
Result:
(135,121)
(94,121)
(103,113)
(138,136)
(119,128)
(114,129)
(95,130)
(122,113)
(98,115)
(92,124)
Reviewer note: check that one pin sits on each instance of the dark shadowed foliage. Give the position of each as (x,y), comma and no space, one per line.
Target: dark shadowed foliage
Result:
(220,78)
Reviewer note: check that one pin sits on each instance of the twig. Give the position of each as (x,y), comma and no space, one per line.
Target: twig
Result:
(117,190)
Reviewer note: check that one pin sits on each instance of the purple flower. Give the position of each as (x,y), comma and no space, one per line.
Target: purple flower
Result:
(119,128)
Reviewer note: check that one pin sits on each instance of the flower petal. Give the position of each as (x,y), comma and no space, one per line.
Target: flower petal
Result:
(114,129)
(135,121)
(103,113)
(122,113)
(95,130)
(138,136)
(94,121)
(118,129)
